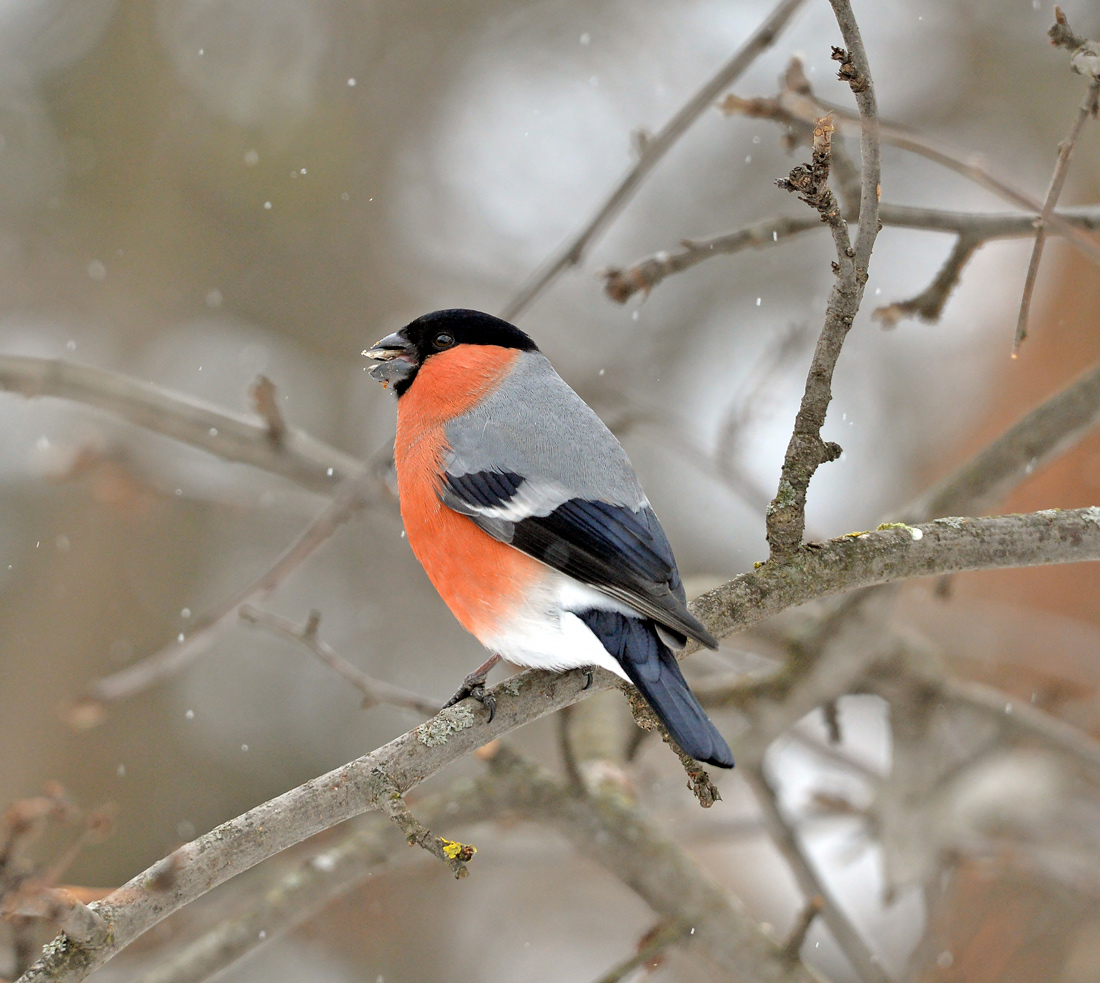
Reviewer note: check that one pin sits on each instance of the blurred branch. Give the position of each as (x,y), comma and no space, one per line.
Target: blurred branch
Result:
(653,943)
(785,839)
(611,830)
(641,277)
(293,900)
(88,710)
(1024,719)
(929,303)
(1061,34)
(786,516)
(802,112)
(651,153)
(1044,434)
(375,691)
(298,457)
(82,924)
(645,274)
(876,557)
(604,825)
(265,401)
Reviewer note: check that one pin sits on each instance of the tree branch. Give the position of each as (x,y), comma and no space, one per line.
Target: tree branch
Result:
(84,925)
(847,937)
(88,710)
(297,456)
(656,940)
(1057,181)
(889,554)
(375,691)
(786,516)
(804,111)
(655,148)
(1035,440)
(645,274)
(929,303)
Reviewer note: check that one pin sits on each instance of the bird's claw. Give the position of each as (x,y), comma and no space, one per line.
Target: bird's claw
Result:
(473,686)
(588,670)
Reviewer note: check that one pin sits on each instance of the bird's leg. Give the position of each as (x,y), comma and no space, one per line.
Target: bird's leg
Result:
(474,685)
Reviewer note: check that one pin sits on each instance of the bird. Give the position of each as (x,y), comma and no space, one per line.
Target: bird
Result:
(528,518)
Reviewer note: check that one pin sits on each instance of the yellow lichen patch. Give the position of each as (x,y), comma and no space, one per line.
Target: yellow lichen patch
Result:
(457,851)
(855,535)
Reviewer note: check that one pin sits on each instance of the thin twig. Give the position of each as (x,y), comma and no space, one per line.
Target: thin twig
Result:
(1026,720)
(299,457)
(797,936)
(847,937)
(375,691)
(390,800)
(294,899)
(806,451)
(1039,437)
(88,710)
(929,303)
(654,150)
(645,274)
(1057,181)
(803,114)
(876,557)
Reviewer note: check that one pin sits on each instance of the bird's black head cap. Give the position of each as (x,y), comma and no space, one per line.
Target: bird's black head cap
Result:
(406,350)
(429,334)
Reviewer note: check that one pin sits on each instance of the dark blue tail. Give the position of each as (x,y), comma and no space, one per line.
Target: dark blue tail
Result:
(652,667)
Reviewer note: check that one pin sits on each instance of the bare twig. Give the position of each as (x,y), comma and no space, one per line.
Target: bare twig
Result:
(929,303)
(847,937)
(293,900)
(88,710)
(645,274)
(300,458)
(375,691)
(803,112)
(876,557)
(896,552)
(699,783)
(655,148)
(621,284)
(608,828)
(806,451)
(390,800)
(1054,191)
(1040,437)
(797,935)
(1025,720)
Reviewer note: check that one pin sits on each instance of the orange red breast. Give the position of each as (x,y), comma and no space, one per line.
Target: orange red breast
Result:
(481,580)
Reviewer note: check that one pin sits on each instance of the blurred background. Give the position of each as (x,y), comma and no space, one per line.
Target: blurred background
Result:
(193,192)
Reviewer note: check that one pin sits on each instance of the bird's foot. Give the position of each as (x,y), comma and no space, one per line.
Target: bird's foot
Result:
(475,689)
(587,670)
(474,686)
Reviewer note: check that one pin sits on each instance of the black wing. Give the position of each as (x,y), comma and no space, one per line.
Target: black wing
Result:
(619,551)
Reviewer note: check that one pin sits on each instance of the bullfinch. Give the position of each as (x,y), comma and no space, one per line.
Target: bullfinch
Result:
(529,520)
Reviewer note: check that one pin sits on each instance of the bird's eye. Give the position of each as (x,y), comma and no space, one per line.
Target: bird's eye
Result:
(443,340)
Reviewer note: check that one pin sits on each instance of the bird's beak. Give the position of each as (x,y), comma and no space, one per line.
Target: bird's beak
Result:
(396,357)
(392,346)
